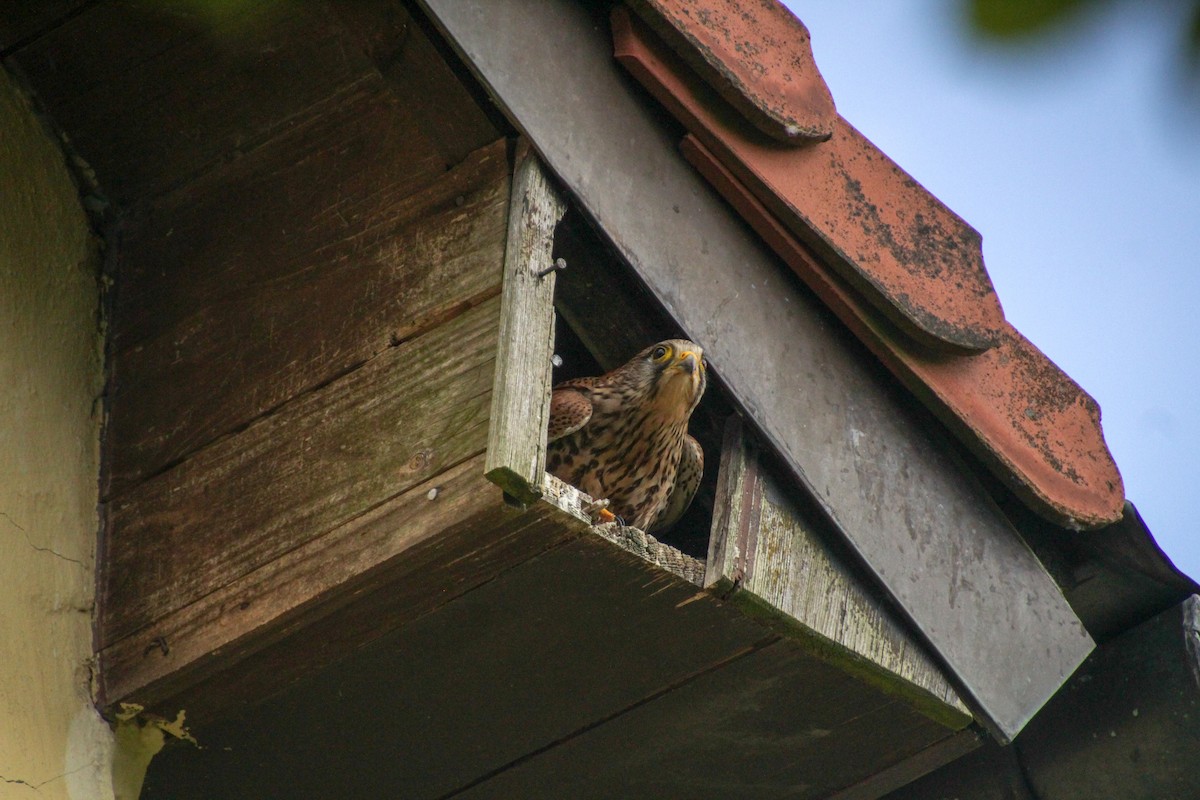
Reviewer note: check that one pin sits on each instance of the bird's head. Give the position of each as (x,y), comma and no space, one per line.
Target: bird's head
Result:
(673,376)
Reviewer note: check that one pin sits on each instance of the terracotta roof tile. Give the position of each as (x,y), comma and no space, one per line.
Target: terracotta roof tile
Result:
(1028,421)
(757,55)
(896,243)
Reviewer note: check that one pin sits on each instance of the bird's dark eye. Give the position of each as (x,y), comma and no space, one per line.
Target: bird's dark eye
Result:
(659,353)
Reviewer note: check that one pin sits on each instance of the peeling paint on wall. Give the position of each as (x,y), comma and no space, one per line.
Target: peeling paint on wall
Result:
(139,738)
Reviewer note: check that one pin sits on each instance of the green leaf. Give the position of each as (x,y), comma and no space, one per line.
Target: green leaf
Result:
(1014,18)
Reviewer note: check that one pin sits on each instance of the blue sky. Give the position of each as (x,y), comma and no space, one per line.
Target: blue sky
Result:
(1078,159)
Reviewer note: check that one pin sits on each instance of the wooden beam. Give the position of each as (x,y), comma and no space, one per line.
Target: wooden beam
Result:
(646,547)
(916,766)
(412,64)
(416,554)
(768,557)
(326,259)
(631,540)
(324,459)
(673,693)
(516,453)
(547,648)
(220,629)
(772,722)
(991,772)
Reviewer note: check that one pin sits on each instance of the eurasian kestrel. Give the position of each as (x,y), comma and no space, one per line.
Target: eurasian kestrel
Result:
(623,436)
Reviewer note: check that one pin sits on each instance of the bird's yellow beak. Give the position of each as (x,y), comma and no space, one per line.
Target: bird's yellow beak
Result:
(684,378)
(688,361)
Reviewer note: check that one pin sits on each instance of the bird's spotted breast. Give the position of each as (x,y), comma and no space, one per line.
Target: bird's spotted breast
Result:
(630,448)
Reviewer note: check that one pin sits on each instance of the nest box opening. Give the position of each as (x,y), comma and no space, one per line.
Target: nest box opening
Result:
(604,316)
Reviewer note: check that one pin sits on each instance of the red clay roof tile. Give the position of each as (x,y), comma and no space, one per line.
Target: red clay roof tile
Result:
(757,55)
(1034,426)
(892,240)
(1028,421)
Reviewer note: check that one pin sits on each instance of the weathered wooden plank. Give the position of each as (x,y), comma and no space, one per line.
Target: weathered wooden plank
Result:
(645,546)
(521,399)
(575,635)
(915,766)
(631,540)
(323,459)
(876,467)
(991,772)
(389,566)
(209,634)
(657,710)
(229,309)
(472,693)
(447,111)
(486,540)
(775,722)
(153,92)
(327,182)
(768,556)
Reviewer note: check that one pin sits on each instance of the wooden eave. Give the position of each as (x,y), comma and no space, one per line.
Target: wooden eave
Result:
(488,592)
(327,518)
(882,476)
(329,324)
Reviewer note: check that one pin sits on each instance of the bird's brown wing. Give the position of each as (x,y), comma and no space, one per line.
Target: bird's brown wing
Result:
(570,410)
(687,481)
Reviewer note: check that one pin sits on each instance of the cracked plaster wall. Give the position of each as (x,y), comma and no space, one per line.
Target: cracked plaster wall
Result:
(53,744)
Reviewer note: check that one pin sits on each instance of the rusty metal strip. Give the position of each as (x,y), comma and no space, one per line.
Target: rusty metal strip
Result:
(912,257)
(757,55)
(1034,426)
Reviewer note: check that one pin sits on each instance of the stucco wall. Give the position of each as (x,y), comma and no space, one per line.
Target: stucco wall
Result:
(52,742)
